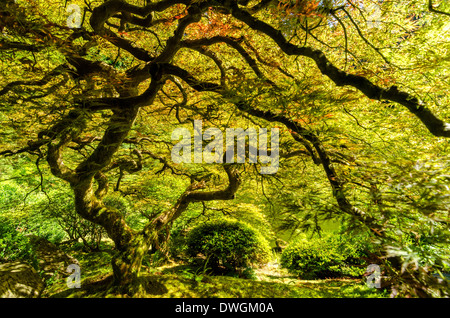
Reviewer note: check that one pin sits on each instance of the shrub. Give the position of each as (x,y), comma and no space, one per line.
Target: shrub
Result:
(177,243)
(14,245)
(117,202)
(228,243)
(326,257)
(62,212)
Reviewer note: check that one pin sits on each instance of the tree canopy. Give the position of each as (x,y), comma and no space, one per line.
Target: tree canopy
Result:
(91,91)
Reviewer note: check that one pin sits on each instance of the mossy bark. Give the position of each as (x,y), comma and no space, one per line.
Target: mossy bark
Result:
(127,262)
(89,184)
(131,246)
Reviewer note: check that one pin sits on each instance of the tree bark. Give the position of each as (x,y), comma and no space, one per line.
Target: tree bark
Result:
(126,264)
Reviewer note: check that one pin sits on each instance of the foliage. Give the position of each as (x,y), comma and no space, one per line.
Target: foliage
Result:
(185,281)
(14,245)
(416,204)
(228,243)
(326,257)
(61,212)
(358,90)
(40,224)
(177,243)
(249,213)
(118,202)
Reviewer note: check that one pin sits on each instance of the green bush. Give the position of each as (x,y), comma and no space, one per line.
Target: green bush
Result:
(117,202)
(177,243)
(229,243)
(326,257)
(14,245)
(70,225)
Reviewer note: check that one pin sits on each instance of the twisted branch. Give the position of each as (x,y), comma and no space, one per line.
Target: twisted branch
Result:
(435,125)
(336,183)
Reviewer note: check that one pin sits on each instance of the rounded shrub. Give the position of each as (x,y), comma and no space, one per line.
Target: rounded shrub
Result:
(229,243)
(326,257)
(118,202)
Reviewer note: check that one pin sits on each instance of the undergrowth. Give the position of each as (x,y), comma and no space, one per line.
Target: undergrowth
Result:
(187,281)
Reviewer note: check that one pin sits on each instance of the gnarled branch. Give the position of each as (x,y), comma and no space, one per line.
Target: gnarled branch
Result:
(193,194)
(432,9)
(434,125)
(337,184)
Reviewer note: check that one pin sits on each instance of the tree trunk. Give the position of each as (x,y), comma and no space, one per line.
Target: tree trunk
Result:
(130,245)
(90,185)
(127,262)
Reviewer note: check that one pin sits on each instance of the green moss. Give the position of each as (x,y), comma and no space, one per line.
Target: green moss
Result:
(94,267)
(174,286)
(177,286)
(175,281)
